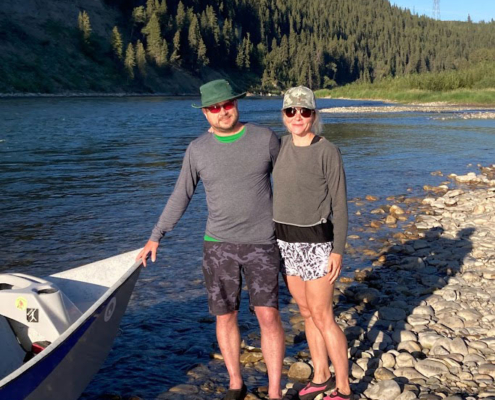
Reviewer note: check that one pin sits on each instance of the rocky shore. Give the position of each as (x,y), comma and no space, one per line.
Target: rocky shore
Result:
(419,317)
(446,111)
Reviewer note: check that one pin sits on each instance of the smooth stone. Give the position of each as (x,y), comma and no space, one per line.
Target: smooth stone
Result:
(453,323)
(465,376)
(383,374)
(384,390)
(404,360)
(251,357)
(392,314)
(431,368)
(409,373)
(299,371)
(357,372)
(395,209)
(407,395)
(368,296)
(459,346)
(378,336)
(428,339)
(487,369)
(403,335)
(474,358)
(388,360)
(184,389)
(486,379)
(416,320)
(469,315)
(424,311)
(410,346)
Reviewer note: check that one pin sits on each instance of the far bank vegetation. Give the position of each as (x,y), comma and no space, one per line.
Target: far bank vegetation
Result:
(265,46)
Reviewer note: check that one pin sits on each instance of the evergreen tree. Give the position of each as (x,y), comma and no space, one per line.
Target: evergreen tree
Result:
(163,59)
(202,59)
(153,37)
(84,25)
(130,60)
(117,44)
(141,58)
(175,57)
(139,15)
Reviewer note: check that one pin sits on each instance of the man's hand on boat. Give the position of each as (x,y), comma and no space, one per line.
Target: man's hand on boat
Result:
(150,247)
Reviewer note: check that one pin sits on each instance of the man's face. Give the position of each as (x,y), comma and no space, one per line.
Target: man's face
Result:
(223,116)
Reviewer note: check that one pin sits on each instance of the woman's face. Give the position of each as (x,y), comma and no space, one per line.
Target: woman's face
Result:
(298,124)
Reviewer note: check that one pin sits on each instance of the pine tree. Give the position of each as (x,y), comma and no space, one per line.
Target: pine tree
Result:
(141,58)
(181,16)
(202,58)
(163,59)
(84,25)
(117,44)
(175,57)
(139,15)
(130,60)
(153,37)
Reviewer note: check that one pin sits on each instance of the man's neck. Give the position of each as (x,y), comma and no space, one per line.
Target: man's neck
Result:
(236,129)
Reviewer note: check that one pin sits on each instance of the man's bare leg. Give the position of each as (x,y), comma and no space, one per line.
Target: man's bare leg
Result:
(272,346)
(229,340)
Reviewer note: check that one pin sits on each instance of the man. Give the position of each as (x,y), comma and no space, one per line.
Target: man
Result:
(234,160)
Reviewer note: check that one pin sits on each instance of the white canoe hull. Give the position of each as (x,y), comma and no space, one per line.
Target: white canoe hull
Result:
(65,368)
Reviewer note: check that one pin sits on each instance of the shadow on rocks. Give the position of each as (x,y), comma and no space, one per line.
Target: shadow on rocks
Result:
(398,314)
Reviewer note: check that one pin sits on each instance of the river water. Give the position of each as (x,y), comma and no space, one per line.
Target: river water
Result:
(83,179)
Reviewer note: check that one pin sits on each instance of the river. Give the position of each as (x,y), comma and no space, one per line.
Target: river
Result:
(82,179)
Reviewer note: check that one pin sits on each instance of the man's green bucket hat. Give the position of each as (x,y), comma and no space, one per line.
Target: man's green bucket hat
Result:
(215,92)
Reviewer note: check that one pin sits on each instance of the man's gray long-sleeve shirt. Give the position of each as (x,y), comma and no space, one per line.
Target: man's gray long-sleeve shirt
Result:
(236,178)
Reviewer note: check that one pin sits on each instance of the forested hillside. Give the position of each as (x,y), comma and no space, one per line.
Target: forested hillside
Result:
(171,46)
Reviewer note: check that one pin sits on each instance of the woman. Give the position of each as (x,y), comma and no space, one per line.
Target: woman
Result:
(310,214)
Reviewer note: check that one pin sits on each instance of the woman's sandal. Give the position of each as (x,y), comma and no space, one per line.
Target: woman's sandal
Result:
(311,390)
(336,395)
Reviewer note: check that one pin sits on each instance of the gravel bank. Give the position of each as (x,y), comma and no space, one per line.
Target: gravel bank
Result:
(420,320)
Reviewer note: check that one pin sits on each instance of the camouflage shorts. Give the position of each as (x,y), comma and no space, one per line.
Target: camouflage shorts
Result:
(222,266)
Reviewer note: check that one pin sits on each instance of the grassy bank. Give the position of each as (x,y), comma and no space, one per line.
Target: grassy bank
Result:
(475,85)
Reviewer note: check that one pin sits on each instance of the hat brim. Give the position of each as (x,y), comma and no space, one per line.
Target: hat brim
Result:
(219,100)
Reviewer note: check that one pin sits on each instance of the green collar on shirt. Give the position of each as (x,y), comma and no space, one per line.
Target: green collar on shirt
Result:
(231,138)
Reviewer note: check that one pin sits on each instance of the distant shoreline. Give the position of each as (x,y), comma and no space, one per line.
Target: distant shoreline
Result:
(479,111)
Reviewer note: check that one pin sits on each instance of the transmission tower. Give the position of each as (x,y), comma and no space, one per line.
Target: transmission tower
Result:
(436,9)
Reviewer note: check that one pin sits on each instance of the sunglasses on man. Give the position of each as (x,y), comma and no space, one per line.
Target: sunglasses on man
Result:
(215,109)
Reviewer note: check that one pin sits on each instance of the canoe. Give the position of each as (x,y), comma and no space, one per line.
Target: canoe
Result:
(56,332)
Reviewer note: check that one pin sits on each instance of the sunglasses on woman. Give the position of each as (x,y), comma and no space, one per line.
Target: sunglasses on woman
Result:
(292,111)
(215,109)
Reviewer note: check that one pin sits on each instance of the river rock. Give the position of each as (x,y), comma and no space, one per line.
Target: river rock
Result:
(392,314)
(409,373)
(407,395)
(383,390)
(185,389)
(300,371)
(383,374)
(458,346)
(403,335)
(487,369)
(431,368)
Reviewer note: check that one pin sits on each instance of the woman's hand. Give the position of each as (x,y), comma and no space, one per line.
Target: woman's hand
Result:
(334,267)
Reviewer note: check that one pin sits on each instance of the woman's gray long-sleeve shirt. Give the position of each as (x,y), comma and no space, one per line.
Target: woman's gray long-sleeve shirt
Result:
(236,178)
(310,188)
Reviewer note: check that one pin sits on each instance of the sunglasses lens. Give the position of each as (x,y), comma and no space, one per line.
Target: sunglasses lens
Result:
(290,112)
(214,109)
(306,112)
(228,106)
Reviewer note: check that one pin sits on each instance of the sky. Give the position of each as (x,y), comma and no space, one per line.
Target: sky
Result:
(457,10)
